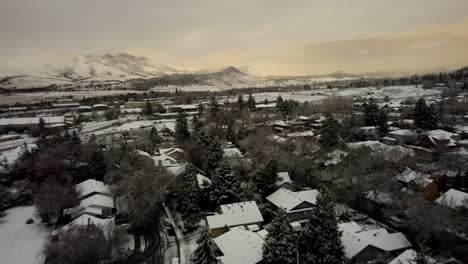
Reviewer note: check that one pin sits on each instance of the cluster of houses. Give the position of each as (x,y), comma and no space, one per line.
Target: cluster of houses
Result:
(238,230)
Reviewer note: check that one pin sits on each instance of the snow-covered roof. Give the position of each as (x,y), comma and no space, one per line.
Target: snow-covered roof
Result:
(235,214)
(410,256)
(202,181)
(99,105)
(454,198)
(440,134)
(355,239)
(177,169)
(240,246)
(170,151)
(281,123)
(87,219)
(410,175)
(97,200)
(31,120)
(283,177)
(65,104)
(334,157)
(289,200)
(164,161)
(403,132)
(309,133)
(231,153)
(390,153)
(379,197)
(92,186)
(141,153)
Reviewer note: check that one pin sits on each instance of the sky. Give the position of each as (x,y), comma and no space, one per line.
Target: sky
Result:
(267,37)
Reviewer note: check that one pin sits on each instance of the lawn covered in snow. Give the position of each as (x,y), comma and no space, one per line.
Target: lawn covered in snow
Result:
(21,243)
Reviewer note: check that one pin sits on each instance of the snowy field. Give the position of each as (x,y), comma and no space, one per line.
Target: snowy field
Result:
(134,125)
(21,243)
(395,93)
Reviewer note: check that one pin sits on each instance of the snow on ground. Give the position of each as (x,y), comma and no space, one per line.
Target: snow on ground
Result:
(21,243)
(133,125)
(12,154)
(393,92)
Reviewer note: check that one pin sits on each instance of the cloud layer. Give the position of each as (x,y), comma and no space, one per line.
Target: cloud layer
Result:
(268,36)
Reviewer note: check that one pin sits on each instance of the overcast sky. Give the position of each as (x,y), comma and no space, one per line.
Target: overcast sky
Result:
(269,36)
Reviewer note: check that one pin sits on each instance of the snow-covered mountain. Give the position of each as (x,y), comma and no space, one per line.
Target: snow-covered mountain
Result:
(116,70)
(90,68)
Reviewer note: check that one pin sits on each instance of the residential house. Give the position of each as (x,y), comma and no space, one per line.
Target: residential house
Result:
(164,161)
(362,245)
(404,136)
(240,246)
(91,187)
(281,126)
(89,219)
(286,182)
(411,180)
(439,138)
(234,215)
(298,206)
(173,152)
(454,199)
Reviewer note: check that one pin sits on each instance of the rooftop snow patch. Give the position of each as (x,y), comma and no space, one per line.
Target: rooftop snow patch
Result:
(454,198)
(389,153)
(355,239)
(235,214)
(92,186)
(240,246)
(289,200)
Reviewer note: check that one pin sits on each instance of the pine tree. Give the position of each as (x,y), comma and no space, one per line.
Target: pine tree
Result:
(181,127)
(425,117)
(148,110)
(154,137)
(320,240)
(215,154)
(266,177)
(251,102)
(214,108)
(224,188)
(373,116)
(189,194)
(280,243)
(240,103)
(330,134)
(75,138)
(204,253)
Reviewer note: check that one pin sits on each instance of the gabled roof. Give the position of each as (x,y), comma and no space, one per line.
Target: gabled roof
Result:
(240,247)
(288,200)
(454,198)
(170,151)
(410,256)
(235,214)
(440,134)
(92,186)
(87,219)
(409,175)
(283,177)
(97,200)
(355,239)
(164,160)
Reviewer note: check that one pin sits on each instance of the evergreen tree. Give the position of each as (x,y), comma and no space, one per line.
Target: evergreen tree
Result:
(197,124)
(224,188)
(154,137)
(75,139)
(189,196)
(181,127)
(330,133)
(266,177)
(214,108)
(204,253)
(148,110)
(320,240)
(240,103)
(251,102)
(425,117)
(215,154)
(373,116)
(280,243)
